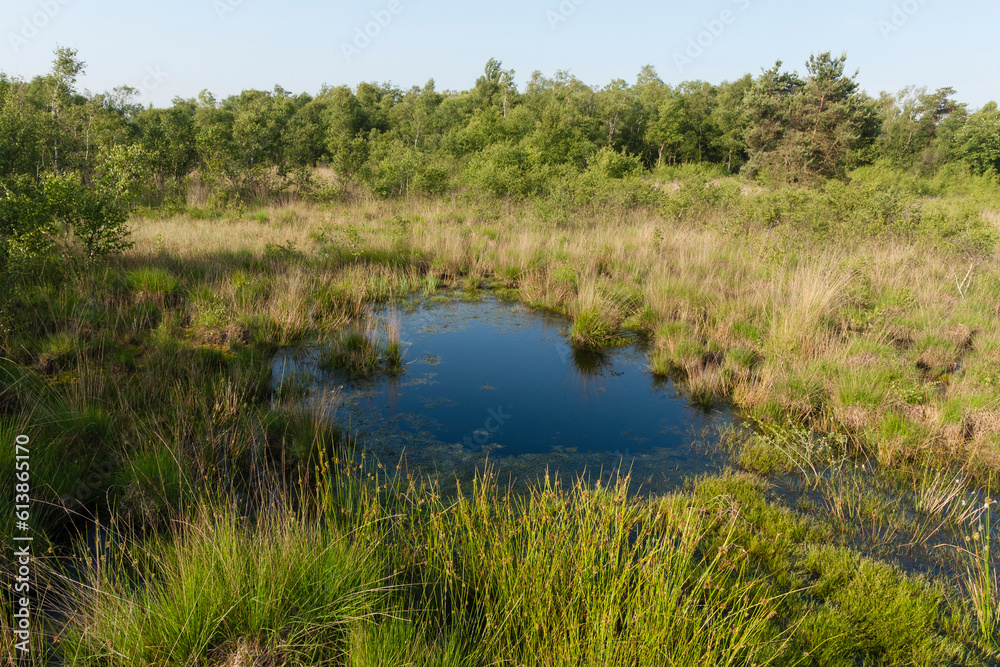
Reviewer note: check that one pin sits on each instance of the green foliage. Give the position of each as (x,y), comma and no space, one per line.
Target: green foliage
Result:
(594,329)
(97,216)
(151,484)
(872,612)
(917,128)
(801,128)
(158,368)
(169,140)
(359,353)
(594,190)
(398,642)
(492,139)
(26,221)
(611,164)
(978,142)
(152,281)
(22,130)
(222,589)
(396,169)
(505,170)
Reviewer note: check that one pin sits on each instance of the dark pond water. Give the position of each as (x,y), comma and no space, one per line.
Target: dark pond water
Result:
(490,380)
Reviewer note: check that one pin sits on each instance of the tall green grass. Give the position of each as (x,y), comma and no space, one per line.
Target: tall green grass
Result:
(363,352)
(982,581)
(280,590)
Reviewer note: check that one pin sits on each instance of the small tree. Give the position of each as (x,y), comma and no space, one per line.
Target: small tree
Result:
(978,142)
(66,68)
(346,135)
(97,216)
(808,127)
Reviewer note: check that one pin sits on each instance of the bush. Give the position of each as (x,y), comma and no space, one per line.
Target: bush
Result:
(611,164)
(97,215)
(395,169)
(505,170)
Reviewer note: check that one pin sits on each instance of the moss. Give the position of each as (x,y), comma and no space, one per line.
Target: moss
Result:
(763,457)
(870,613)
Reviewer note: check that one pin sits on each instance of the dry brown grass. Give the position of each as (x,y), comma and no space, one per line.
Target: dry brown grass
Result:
(794,302)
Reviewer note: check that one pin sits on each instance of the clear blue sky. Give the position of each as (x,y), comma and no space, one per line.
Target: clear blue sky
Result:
(183,46)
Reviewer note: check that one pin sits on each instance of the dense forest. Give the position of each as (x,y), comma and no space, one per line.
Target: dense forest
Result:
(493,137)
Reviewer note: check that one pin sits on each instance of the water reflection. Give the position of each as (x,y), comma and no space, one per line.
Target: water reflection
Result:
(493,380)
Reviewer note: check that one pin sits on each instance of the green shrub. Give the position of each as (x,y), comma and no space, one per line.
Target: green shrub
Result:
(609,163)
(506,170)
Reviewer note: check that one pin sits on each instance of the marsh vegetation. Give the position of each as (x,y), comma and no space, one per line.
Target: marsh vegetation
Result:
(191,512)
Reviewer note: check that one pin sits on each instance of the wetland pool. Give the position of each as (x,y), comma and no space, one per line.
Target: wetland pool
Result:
(492,381)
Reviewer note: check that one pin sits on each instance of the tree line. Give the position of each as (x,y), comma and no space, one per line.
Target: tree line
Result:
(71,160)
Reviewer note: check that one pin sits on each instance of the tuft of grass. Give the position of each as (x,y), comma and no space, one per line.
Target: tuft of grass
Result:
(57,351)
(678,352)
(571,574)
(982,583)
(365,352)
(152,281)
(353,353)
(397,642)
(260,215)
(295,387)
(598,323)
(301,434)
(592,329)
(151,484)
(211,311)
(221,589)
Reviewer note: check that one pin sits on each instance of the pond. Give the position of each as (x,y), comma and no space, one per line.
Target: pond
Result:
(492,381)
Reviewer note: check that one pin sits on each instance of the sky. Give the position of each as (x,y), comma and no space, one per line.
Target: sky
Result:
(178,48)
